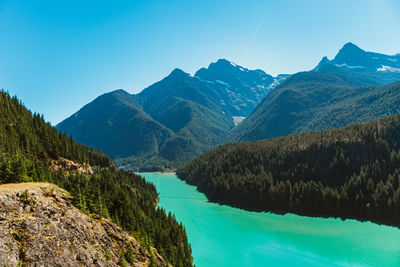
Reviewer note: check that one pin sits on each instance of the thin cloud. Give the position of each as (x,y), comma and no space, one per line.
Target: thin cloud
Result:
(260,23)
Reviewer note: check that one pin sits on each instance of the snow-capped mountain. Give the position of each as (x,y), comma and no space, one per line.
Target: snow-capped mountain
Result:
(354,58)
(245,88)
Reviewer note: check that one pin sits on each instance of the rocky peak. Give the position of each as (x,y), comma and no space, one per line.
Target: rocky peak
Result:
(351,48)
(39,226)
(323,61)
(354,57)
(222,66)
(178,73)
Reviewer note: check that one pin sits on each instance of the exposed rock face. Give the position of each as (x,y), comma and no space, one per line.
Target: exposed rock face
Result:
(40,227)
(71,167)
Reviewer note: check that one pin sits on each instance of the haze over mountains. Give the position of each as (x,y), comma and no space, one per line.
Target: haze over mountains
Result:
(182,116)
(174,119)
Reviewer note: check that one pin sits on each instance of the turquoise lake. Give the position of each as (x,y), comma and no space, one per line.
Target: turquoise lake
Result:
(224,236)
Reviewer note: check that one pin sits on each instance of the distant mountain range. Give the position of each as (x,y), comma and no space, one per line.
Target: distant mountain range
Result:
(381,69)
(353,57)
(336,93)
(182,116)
(172,120)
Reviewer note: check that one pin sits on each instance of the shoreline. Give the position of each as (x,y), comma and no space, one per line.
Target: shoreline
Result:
(168,172)
(298,213)
(157,172)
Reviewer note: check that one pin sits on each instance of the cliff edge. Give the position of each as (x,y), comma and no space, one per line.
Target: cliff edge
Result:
(40,227)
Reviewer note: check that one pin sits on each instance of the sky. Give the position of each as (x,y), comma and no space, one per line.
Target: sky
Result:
(57,56)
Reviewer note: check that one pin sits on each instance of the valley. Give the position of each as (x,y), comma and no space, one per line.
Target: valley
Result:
(173,120)
(200,133)
(181,124)
(176,119)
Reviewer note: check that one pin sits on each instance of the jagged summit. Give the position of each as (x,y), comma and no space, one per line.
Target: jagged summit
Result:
(177,72)
(349,46)
(221,65)
(352,57)
(224,61)
(323,61)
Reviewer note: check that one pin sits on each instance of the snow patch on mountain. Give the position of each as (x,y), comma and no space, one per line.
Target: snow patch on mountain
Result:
(348,66)
(237,120)
(388,69)
(223,83)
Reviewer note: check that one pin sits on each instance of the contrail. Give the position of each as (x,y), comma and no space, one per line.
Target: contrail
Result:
(253,37)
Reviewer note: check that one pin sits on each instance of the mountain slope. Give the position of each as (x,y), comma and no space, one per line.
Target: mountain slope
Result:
(244,88)
(172,120)
(348,172)
(31,150)
(318,100)
(114,123)
(336,93)
(189,107)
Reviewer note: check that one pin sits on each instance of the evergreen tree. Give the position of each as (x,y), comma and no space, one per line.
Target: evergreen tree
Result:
(29,145)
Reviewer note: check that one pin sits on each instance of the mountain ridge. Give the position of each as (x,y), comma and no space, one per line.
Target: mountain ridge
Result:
(181,115)
(189,114)
(314,100)
(352,57)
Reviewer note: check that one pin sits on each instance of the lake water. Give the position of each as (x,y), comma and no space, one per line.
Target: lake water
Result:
(224,236)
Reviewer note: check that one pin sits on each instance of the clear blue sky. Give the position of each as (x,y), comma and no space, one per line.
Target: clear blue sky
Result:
(59,55)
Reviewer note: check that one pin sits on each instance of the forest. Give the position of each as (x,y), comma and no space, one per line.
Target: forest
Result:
(27,147)
(348,172)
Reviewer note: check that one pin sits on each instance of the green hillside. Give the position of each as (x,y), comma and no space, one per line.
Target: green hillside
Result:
(115,124)
(318,100)
(348,172)
(28,148)
(166,124)
(173,120)
(190,108)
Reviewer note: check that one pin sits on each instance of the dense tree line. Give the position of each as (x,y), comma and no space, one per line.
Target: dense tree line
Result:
(348,172)
(147,164)
(22,133)
(27,146)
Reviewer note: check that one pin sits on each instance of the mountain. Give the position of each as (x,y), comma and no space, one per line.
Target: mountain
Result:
(330,97)
(244,87)
(114,123)
(172,120)
(31,150)
(382,69)
(347,172)
(191,109)
(65,235)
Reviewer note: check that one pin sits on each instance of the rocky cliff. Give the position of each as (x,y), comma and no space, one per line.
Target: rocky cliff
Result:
(40,227)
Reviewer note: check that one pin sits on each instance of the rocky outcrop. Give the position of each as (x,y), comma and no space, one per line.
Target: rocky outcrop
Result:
(40,227)
(70,167)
